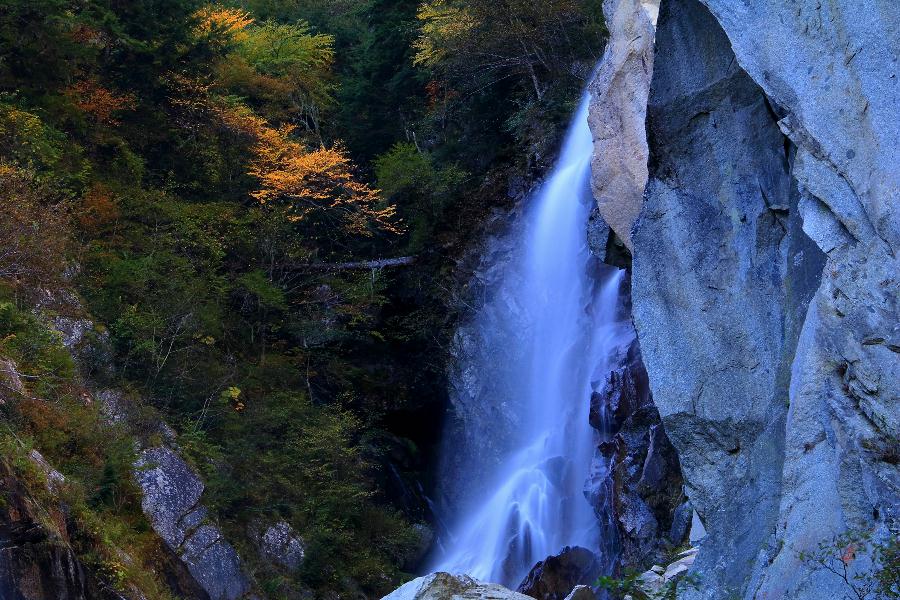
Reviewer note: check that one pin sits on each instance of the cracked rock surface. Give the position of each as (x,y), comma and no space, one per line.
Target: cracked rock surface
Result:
(171,500)
(765,285)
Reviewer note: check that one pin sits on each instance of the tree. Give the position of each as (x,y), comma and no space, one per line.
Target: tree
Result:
(477,43)
(318,186)
(33,230)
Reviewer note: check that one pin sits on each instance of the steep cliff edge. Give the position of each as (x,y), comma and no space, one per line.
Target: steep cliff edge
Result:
(765,282)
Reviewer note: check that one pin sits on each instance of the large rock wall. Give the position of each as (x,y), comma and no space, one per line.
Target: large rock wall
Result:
(36,561)
(765,282)
(709,259)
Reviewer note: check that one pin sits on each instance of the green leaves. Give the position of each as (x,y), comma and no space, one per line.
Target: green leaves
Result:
(268,295)
(421,188)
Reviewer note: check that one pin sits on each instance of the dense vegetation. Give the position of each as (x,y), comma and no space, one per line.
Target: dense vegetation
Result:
(217,183)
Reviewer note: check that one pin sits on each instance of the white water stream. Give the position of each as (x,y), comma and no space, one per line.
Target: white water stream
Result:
(533,504)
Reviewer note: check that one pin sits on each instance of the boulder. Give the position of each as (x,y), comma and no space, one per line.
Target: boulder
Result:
(582,592)
(171,501)
(444,586)
(281,545)
(555,577)
(72,329)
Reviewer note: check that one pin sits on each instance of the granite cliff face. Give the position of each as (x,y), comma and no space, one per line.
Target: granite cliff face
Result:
(765,283)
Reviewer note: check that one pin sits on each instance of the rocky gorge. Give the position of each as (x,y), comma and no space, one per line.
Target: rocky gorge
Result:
(746,155)
(668,370)
(765,282)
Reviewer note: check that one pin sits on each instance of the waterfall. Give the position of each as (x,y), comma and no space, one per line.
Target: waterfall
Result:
(534,352)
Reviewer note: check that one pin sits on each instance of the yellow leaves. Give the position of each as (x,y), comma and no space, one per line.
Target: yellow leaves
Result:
(232,396)
(26,140)
(228,23)
(440,23)
(318,187)
(239,119)
(320,181)
(285,68)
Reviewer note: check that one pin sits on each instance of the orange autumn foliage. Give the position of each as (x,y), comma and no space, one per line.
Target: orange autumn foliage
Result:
(98,208)
(318,181)
(99,102)
(303,183)
(229,23)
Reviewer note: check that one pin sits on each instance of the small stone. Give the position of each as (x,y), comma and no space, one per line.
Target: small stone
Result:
(581,592)
(677,568)
(281,544)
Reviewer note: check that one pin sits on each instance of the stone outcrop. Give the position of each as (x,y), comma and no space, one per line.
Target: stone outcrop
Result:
(618,111)
(281,545)
(10,380)
(555,577)
(766,280)
(444,586)
(171,501)
(198,561)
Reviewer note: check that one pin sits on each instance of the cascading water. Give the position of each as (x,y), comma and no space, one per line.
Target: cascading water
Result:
(543,339)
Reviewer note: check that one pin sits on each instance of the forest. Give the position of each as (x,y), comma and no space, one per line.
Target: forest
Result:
(258,215)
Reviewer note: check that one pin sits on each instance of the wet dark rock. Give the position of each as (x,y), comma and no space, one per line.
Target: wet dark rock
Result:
(597,234)
(555,577)
(36,562)
(635,466)
(625,391)
(681,523)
